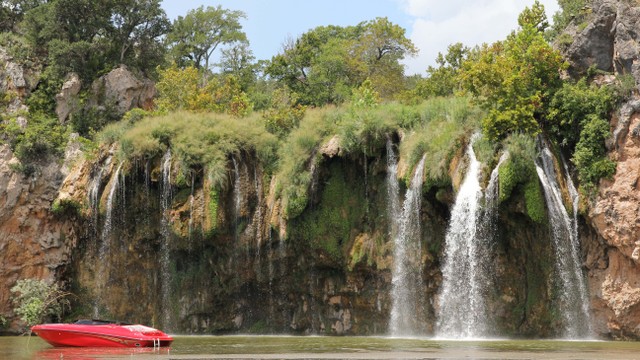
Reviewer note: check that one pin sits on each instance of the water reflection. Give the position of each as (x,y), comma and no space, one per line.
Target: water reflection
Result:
(96,353)
(319,347)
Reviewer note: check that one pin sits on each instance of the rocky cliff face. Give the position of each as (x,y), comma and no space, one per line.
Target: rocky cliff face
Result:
(35,243)
(145,241)
(230,269)
(610,43)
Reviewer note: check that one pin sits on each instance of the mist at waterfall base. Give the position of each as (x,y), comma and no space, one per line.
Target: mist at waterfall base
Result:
(467,271)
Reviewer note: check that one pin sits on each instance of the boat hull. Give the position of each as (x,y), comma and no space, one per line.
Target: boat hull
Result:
(101,335)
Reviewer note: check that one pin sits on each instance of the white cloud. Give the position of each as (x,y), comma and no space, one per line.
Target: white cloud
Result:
(437,24)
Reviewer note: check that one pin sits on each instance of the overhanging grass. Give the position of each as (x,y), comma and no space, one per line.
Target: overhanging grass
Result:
(198,140)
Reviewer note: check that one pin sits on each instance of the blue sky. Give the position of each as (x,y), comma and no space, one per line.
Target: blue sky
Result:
(431,24)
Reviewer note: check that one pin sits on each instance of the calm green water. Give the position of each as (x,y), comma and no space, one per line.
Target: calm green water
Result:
(290,347)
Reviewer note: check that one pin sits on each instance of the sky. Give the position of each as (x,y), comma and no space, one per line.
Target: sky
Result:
(431,24)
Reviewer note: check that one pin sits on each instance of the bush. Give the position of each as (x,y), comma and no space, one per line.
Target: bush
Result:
(573,105)
(42,136)
(590,155)
(66,207)
(444,122)
(36,300)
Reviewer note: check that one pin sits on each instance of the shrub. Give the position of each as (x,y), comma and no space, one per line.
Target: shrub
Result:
(444,123)
(573,104)
(284,114)
(518,171)
(66,207)
(590,155)
(42,136)
(36,300)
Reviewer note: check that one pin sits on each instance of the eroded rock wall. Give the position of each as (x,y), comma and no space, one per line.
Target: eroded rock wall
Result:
(609,42)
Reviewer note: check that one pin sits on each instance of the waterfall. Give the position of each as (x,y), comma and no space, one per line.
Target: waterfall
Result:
(491,194)
(105,242)
(462,312)
(407,283)
(191,202)
(393,190)
(94,194)
(237,198)
(573,302)
(165,258)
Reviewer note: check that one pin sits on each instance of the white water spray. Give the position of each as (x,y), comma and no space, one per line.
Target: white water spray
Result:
(573,300)
(165,258)
(407,283)
(462,310)
(105,243)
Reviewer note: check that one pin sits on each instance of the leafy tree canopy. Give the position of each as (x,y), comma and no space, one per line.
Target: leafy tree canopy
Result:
(196,36)
(89,37)
(514,79)
(326,63)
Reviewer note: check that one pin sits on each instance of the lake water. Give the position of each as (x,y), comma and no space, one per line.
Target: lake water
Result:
(293,347)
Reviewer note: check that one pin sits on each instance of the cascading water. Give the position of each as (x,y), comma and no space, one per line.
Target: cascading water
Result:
(94,195)
(165,258)
(105,242)
(393,190)
(237,199)
(573,300)
(191,202)
(462,312)
(407,282)
(491,198)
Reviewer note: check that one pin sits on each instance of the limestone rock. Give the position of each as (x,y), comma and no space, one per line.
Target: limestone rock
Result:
(121,90)
(16,81)
(331,148)
(14,77)
(615,211)
(33,242)
(610,40)
(67,98)
(594,45)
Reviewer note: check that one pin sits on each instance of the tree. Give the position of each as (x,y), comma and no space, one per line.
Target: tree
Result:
(36,300)
(383,44)
(181,89)
(515,79)
(570,10)
(135,31)
(325,64)
(443,79)
(313,65)
(283,115)
(90,37)
(196,36)
(238,61)
(12,12)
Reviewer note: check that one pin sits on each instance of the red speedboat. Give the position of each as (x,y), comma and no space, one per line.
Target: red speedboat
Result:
(100,333)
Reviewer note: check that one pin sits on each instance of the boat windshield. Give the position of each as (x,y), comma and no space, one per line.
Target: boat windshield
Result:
(99,322)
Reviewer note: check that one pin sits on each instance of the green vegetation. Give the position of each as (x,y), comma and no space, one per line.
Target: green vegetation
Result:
(198,140)
(66,207)
(328,228)
(578,119)
(36,300)
(437,134)
(331,81)
(518,172)
(39,137)
(513,80)
(571,11)
(180,89)
(434,128)
(327,62)
(196,36)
